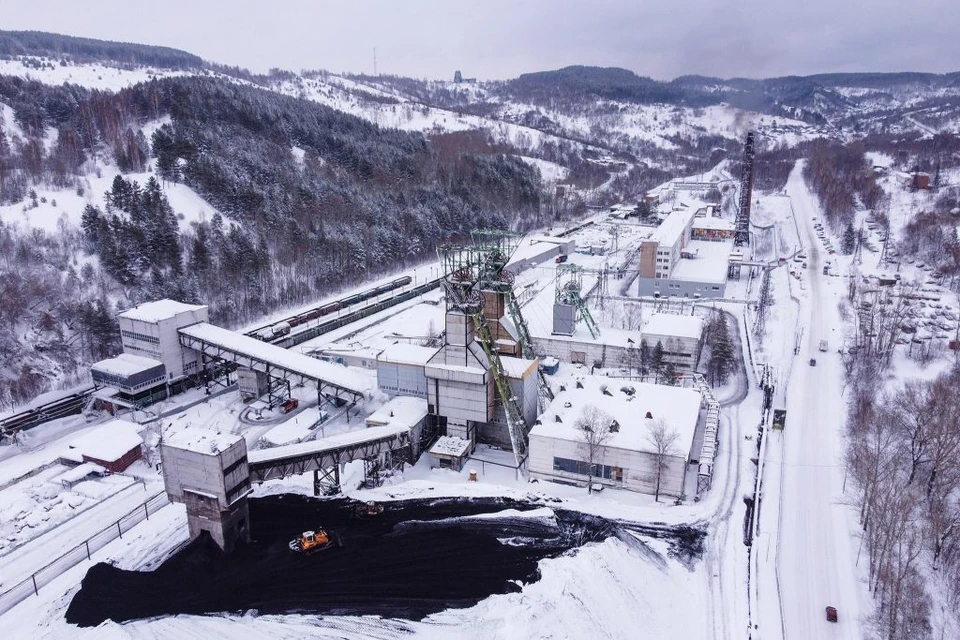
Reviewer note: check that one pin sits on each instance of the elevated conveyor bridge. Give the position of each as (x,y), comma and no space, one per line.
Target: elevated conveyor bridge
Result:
(221,344)
(376,446)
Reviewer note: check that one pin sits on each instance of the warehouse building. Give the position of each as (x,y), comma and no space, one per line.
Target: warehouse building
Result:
(115,445)
(401,369)
(627,459)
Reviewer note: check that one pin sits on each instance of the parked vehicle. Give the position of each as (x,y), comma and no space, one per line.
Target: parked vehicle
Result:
(290,405)
(831,614)
(813,362)
(561,258)
(823,346)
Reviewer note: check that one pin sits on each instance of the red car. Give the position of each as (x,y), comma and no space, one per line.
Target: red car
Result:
(290,405)
(831,614)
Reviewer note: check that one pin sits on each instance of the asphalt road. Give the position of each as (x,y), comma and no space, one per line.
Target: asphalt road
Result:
(815,559)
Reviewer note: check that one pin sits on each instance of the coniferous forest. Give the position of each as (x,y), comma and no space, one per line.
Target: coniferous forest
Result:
(307,199)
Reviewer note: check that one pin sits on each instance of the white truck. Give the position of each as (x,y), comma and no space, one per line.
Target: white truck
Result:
(823,346)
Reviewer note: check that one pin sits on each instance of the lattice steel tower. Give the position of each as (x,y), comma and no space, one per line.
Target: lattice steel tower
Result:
(742,224)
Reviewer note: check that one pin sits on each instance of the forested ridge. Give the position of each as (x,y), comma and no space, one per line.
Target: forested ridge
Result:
(308,199)
(57,46)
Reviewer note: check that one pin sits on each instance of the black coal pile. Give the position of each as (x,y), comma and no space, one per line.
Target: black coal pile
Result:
(416,558)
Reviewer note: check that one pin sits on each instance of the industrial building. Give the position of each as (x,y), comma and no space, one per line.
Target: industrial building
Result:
(352,355)
(674,264)
(153,363)
(483,384)
(136,379)
(405,412)
(535,250)
(575,337)
(114,445)
(627,457)
(680,336)
(151,330)
(713,229)
(207,471)
(401,369)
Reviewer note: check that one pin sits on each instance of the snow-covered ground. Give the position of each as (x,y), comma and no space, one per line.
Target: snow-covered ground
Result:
(64,207)
(93,76)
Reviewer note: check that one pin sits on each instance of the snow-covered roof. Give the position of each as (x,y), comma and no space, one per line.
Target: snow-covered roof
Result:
(679,407)
(405,353)
(325,444)
(159,310)
(710,264)
(450,446)
(79,473)
(126,365)
(290,431)
(671,324)
(712,222)
(538,248)
(108,442)
(401,411)
(518,367)
(673,227)
(201,440)
(355,351)
(298,363)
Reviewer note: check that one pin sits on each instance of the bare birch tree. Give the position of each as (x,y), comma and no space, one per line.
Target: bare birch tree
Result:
(594,425)
(664,441)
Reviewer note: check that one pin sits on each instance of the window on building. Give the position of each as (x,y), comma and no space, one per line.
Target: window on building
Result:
(139,336)
(581,468)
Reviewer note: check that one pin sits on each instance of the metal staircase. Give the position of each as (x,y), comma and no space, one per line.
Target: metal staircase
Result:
(515,423)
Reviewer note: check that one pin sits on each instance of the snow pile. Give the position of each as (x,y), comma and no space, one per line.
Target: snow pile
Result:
(606,590)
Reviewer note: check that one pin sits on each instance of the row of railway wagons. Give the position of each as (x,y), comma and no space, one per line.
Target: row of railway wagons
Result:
(283,328)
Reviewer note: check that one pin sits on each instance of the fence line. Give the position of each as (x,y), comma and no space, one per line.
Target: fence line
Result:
(83,551)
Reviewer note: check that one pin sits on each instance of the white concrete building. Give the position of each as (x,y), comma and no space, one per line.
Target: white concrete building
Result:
(674,264)
(150,330)
(627,459)
(680,336)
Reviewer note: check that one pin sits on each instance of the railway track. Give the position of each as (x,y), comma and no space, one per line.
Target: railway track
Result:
(73,403)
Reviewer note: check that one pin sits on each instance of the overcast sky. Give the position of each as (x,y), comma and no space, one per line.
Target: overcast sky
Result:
(502,39)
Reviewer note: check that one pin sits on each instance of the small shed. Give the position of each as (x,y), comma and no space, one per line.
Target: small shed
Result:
(450,452)
(114,446)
